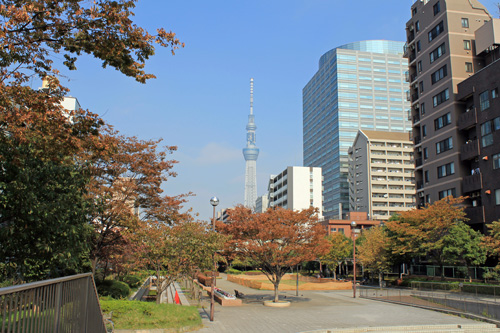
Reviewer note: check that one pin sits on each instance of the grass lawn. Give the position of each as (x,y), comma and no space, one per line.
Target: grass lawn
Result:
(145,315)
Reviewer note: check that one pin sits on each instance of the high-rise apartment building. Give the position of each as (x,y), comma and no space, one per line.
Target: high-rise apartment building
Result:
(441,52)
(359,85)
(381,174)
(296,188)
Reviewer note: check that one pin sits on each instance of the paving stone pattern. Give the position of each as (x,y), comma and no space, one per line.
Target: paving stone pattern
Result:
(313,310)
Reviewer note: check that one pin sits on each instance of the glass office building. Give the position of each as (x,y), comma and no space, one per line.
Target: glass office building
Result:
(361,85)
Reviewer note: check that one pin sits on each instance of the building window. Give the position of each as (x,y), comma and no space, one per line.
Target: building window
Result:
(447,193)
(428,198)
(497,197)
(439,74)
(487,130)
(426,153)
(484,100)
(446,170)
(424,131)
(496,161)
(437,53)
(422,108)
(444,145)
(443,96)
(437,8)
(439,28)
(465,22)
(426,176)
(421,86)
(414,11)
(341,230)
(466,44)
(419,46)
(468,67)
(442,121)
(419,66)
(417,26)
(494,93)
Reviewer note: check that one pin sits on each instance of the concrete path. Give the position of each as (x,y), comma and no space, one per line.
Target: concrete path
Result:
(313,310)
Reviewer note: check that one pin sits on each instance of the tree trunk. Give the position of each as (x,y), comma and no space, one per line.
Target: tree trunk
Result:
(335,273)
(276,285)
(380,279)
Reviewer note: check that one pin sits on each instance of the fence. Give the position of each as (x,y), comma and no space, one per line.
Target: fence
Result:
(68,304)
(458,272)
(479,300)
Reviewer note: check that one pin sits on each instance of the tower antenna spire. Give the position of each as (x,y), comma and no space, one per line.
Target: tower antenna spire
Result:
(251,96)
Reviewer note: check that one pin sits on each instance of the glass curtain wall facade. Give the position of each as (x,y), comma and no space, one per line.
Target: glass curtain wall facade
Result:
(360,85)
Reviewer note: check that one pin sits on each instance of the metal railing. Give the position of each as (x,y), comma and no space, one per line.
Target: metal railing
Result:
(68,304)
(478,300)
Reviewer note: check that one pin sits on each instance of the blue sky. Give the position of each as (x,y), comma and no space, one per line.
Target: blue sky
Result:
(200,99)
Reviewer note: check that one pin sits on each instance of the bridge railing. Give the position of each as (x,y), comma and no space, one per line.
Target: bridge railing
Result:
(68,304)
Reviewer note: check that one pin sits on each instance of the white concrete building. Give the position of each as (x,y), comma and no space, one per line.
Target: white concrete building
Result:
(381,174)
(297,188)
(262,203)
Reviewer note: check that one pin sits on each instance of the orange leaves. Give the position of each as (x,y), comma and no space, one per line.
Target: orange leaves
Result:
(278,237)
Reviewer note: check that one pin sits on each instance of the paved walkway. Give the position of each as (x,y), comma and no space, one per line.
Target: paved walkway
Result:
(313,310)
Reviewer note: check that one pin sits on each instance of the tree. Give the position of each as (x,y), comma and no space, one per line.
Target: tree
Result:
(126,186)
(41,141)
(175,251)
(339,249)
(34,32)
(276,239)
(421,232)
(491,242)
(373,252)
(44,230)
(464,246)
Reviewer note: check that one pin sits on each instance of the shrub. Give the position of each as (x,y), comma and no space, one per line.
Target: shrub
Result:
(234,271)
(114,289)
(132,280)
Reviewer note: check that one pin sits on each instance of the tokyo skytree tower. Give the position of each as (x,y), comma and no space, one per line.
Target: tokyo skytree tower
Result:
(251,152)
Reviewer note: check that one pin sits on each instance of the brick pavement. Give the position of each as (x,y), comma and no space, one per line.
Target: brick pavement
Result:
(313,310)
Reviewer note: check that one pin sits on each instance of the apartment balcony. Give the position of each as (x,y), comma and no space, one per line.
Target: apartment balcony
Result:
(420,184)
(475,214)
(411,37)
(417,139)
(413,77)
(472,183)
(408,96)
(416,119)
(407,76)
(413,56)
(470,150)
(468,119)
(418,162)
(414,97)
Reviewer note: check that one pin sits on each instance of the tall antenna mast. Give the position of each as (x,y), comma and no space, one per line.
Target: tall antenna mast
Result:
(251,96)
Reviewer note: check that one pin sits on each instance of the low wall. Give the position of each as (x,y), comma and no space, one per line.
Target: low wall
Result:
(311,283)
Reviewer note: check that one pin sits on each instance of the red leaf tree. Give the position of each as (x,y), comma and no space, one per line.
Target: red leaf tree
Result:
(275,240)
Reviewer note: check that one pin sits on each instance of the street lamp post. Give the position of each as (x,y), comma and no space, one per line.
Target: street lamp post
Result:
(214,201)
(353,231)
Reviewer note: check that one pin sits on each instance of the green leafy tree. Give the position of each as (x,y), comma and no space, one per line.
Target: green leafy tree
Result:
(44,231)
(339,249)
(422,232)
(491,242)
(463,246)
(373,251)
